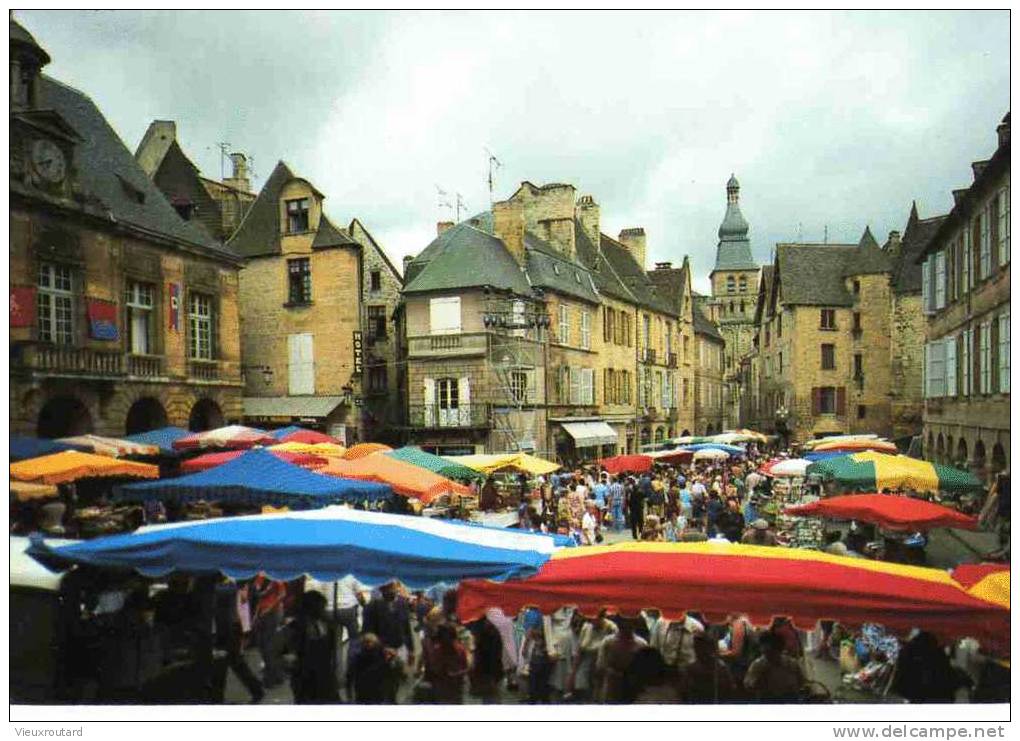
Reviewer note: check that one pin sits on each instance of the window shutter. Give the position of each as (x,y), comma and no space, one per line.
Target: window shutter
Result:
(444,315)
(841,401)
(950,366)
(588,377)
(532,378)
(464,399)
(926,285)
(816,401)
(429,397)
(965,362)
(940,279)
(1004,353)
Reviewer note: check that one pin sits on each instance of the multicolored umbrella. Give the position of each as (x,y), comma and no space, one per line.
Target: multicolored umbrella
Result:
(491,463)
(731,449)
(405,478)
(871,471)
(110,446)
(71,465)
(628,464)
(310,437)
(232,437)
(327,544)
(811,444)
(672,457)
(434,463)
(710,454)
(857,446)
(211,460)
(322,449)
(887,511)
(763,582)
(364,449)
(788,468)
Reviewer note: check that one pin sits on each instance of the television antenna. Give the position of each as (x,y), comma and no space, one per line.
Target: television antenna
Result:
(494,164)
(224,148)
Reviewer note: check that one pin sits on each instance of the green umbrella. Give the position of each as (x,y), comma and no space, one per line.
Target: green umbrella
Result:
(871,471)
(418,457)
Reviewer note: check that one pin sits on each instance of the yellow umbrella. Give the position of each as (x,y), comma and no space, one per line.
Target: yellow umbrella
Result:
(25,491)
(326,449)
(492,462)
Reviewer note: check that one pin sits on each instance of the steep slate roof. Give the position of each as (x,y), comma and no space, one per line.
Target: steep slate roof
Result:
(606,279)
(764,293)
(464,256)
(377,246)
(870,258)
(645,291)
(108,171)
(549,268)
(704,325)
(329,236)
(671,283)
(917,235)
(812,274)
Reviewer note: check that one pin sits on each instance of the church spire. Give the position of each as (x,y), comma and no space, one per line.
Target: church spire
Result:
(734,250)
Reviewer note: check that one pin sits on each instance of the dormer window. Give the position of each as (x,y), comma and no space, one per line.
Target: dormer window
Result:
(297,215)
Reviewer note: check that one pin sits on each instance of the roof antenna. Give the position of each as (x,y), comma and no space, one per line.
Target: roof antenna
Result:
(494,164)
(224,148)
(460,205)
(800,231)
(826,234)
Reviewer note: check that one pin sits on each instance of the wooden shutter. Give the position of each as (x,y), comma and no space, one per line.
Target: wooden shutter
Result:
(464,399)
(301,368)
(841,401)
(816,401)
(429,400)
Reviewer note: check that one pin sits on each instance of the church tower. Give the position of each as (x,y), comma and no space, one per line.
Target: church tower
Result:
(734,292)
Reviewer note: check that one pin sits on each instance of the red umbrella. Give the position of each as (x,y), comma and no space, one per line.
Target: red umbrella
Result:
(234,437)
(627,464)
(760,581)
(309,437)
(211,460)
(888,511)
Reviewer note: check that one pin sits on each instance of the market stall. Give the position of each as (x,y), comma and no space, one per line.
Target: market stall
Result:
(434,463)
(491,463)
(361,450)
(327,544)
(628,464)
(231,437)
(24,491)
(23,448)
(674,457)
(72,465)
(211,460)
(888,511)
(163,438)
(871,471)
(760,581)
(857,445)
(405,478)
(325,450)
(111,446)
(310,437)
(257,477)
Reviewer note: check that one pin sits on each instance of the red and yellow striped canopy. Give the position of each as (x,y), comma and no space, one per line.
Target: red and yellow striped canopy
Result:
(763,582)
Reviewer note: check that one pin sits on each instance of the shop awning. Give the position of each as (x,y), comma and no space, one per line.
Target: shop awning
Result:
(590,434)
(290,406)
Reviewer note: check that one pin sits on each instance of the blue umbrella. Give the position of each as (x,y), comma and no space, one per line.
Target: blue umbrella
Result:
(257,477)
(823,455)
(284,431)
(326,544)
(23,448)
(163,438)
(731,449)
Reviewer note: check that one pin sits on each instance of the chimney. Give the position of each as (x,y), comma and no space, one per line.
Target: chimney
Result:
(1003,131)
(560,234)
(663,266)
(239,177)
(408,259)
(508,226)
(442,226)
(634,240)
(587,213)
(895,243)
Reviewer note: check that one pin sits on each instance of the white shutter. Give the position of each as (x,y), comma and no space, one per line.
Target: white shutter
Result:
(1004,353)
(986,241)
(950,365)
(966,366)
(429,397)
(940,279)
(532,379)
(444,315)
(926,373)
(575,385)
(926,285)
(301,368)
(464,400)
(985,358)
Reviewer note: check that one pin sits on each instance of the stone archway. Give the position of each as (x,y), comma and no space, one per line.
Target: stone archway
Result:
(961,453)
(144,415)
(929,447)
(205,415)
(940,449)
(998,459)
(980,467)
(63,416)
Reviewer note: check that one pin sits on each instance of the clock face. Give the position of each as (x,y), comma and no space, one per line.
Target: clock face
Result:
(48,161)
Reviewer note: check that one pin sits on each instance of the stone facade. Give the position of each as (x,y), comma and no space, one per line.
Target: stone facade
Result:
(966,286)
(86,241)
(383,382)
(709,372)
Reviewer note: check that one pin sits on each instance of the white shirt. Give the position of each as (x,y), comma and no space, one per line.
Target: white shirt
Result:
(675,640)
(348,590)
(588,528)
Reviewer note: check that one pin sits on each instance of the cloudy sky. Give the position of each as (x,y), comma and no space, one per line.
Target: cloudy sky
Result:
(828,119)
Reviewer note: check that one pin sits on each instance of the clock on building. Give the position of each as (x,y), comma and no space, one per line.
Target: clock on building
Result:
(48,161)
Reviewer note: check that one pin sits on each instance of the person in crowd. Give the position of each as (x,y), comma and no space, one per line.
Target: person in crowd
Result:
(707,679)
(487,668)
(489,499)
(576,501)
(536,665)
(313,641)
(370,672)
(636,507)
(268,596)
(388,617)
(834,544)
(230,637)
(589,524)
(601,492)
(731,522)
(587,673)
(445,664)
(614,660)
(741,647)
(924,672)
(713,508)
(647,680)
(686,502)
(759,534)
(674,639)
(616,498)
(775,676)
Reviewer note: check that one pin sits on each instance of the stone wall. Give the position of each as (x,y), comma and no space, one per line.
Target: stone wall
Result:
(906,371)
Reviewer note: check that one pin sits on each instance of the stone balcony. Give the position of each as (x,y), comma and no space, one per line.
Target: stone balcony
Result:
(66,360)
(448,345)
(432,416)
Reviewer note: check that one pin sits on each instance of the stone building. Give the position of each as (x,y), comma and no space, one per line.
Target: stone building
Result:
(674,286)
(218,207)
(124,316)
(301,311)
(829,325)
(734,280)
(525,326)
(965,283)
(709,371)
(383,383)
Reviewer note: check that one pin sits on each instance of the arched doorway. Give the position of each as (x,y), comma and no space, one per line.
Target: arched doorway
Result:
(63,416)
(646,436)
(961,453)
(144,415)
(980,464)
(998,459)
(950,450)
(940,449)
(205,415)
(929,448)
(685,433)
(660,434)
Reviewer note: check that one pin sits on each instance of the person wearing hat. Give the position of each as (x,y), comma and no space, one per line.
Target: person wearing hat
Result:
(759,534)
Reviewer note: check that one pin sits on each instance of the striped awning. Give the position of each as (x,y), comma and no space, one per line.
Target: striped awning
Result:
(590,434)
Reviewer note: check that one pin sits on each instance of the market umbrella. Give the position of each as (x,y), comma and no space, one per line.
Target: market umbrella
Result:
(434,463)
(236,437)
(812,444)
(25,491)
(22,448)
(871,471)
(789,468)
(257,477)
(691,440)
(628,464)
(326,544)
(363,449)
(308,436)
(731,449)
(163,438)
(321,449)
(211,460)
(672,457)
(824,455)
(405,478)
(761,581)
(710,454)
(492,462)
(71,465)
(110,446)
(282,432)
(888,511)
(856,446)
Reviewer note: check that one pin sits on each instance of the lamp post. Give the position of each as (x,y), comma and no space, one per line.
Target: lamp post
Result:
(782,424)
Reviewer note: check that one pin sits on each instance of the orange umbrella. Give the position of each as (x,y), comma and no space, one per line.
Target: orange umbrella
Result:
(362,449)
(405,478)
(71,465)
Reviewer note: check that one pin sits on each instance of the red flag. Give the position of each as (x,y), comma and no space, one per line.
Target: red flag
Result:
(22,306)
(102,319)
